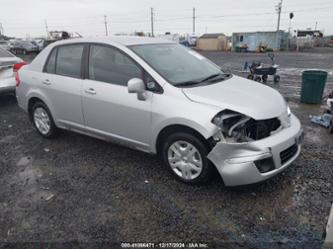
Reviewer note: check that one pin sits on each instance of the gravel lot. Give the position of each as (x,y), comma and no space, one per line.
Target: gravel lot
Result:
(79,189)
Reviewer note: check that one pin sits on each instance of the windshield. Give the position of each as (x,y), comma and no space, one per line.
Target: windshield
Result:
(176,63)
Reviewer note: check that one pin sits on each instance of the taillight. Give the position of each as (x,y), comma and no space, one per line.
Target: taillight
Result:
(17,78)
(17,66)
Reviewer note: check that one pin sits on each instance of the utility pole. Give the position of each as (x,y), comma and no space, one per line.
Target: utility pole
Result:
(152,21)
(106,26)
(2,33)
(291,16)
(278,9)
(47,29)
(193,21)
(316,26)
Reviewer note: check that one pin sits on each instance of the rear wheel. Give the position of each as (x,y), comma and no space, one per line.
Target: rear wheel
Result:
(186,157)
(250,76)
(43,121)
(330,128)
(264,78)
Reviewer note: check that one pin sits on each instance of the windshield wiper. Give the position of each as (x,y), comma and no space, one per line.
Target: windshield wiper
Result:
(213,76)
(188,83)
(209,78)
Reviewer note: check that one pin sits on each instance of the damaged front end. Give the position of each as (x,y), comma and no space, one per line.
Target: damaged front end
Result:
(248,150)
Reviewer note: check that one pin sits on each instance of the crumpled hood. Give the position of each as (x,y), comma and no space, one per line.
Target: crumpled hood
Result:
(241,95)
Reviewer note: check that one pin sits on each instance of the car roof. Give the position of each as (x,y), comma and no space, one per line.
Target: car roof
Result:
(121,40)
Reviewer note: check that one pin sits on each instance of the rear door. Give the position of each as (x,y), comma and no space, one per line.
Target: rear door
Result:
(109,110)
(62,82)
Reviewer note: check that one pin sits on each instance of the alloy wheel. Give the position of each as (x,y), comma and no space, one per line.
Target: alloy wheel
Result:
(42,120)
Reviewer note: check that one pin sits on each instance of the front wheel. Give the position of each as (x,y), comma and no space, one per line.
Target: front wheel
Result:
(186,157)
(264,78)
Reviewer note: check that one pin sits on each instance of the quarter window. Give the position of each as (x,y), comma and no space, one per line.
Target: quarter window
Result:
(109,65)
(69,60)
(50,66)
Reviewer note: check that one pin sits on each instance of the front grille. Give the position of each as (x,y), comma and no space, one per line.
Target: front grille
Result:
(288,153)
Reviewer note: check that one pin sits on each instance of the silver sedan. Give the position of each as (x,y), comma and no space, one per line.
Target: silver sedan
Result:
(162,98)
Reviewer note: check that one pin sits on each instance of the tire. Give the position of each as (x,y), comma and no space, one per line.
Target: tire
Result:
(258,79)
(186,169)
(264,78)
(40,116)
(250,76)
(276,78)
(330,128)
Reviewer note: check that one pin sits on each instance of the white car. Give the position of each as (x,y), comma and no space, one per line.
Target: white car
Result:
(4,45)
(7,75)
(159,97)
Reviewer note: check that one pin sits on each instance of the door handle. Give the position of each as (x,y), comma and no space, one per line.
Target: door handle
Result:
(91,91)
(46,82)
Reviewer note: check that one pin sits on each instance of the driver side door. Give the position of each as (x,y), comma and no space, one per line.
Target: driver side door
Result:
(109,110)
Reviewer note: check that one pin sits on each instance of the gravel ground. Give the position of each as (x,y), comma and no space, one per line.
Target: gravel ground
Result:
(82,190)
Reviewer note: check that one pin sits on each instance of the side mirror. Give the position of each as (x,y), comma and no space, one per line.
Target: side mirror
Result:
(137,86)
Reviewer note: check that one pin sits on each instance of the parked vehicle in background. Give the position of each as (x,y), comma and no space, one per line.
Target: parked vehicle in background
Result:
(160,97)
(40,44)
(4,45)
(7,74)
(36,45)
(24,47)
(192,40)
(48,42)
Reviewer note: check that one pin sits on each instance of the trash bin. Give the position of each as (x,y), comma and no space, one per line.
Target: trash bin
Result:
(313,84)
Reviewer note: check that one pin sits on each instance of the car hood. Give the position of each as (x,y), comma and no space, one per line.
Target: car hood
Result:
(240,95)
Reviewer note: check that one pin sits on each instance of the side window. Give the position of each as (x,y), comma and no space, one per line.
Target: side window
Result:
(50,66)
(69,60)
(109,65)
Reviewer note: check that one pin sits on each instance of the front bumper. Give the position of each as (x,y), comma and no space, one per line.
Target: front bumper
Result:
(7,85)
(235,161)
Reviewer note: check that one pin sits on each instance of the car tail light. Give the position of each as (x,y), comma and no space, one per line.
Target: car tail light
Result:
(17,66)
(17,78)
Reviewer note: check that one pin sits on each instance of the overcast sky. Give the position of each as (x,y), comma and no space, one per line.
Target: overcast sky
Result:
(26,17)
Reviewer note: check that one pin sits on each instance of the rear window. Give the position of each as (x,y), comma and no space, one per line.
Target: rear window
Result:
(50,66)
(5,53)
(69,60)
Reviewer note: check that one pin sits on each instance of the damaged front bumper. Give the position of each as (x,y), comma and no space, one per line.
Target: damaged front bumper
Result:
(239,163)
